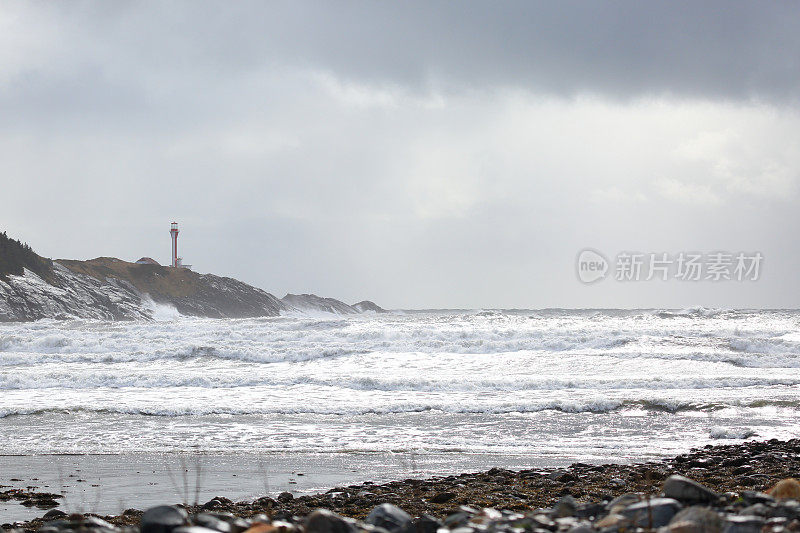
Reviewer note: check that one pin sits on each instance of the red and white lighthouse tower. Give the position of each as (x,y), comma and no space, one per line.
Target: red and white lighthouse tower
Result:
(173,232)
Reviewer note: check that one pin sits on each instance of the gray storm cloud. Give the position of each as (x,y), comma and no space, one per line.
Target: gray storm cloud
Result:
(421,154)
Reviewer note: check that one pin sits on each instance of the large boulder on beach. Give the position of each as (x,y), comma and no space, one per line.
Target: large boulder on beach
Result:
(163,519)
(427,524)
(696,519)
(652,513)
(621,502)
(685,490)
(325,521)
(391,518)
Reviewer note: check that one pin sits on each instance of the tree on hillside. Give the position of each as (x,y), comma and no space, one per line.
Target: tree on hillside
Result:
(15,256)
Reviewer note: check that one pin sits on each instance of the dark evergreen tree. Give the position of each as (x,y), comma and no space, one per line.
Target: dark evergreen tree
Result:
(15,256)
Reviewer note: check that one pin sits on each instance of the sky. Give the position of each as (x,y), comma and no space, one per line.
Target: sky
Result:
(419,154)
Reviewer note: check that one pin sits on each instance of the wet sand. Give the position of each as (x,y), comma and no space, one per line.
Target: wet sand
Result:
(726,468)
(109,484)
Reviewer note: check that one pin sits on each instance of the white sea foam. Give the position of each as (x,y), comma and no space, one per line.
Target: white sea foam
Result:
(593,406)
(428,376)
(160,311)
(294,338)
(148,376)
(719,432)
(693,312)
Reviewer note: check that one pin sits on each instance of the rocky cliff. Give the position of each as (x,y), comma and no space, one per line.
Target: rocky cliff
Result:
(111,289)
(189,292)
(33,287)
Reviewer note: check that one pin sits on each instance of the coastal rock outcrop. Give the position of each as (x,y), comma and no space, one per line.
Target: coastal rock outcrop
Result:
(366,306)
(111,289)
(67,294)
(318,304)
(33,287)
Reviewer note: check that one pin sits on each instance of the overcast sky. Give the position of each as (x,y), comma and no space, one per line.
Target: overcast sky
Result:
(419,154)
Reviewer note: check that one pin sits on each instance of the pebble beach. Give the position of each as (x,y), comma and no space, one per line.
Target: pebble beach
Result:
(735,488)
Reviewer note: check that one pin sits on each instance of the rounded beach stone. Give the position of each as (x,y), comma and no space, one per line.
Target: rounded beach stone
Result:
(391,518)
(786,489)
(325,521)
(744,524)
(565,507)
(706,520)
(685,490)
(261,527)
(583,527)
(163,519)
(656,512)
(751,497)
(683,527)
(52,514)
(442,497)
(212,522)
(97,524)
(237,524)
(611,520)
(193,529)
(427,524)
(621,502)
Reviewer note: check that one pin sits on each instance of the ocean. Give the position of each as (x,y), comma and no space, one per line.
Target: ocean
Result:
(310,401)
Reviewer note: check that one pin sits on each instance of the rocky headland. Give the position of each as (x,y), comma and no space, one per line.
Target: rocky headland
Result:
(317,304)
(34,287)
(746,488)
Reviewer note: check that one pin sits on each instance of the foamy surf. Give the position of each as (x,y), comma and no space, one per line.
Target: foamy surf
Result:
(481,380)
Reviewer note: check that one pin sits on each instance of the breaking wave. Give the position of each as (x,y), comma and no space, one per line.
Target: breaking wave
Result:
(694,312)
(472,379)
(150,378)
(563,406)
(719,432)
(758,341)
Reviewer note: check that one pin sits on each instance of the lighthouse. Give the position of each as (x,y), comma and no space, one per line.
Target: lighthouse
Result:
(176,261)
(173,232)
